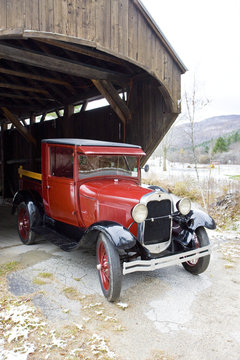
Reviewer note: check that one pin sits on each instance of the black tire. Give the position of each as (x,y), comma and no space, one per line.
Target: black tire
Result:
(200,265)
(109,268)
(24,224)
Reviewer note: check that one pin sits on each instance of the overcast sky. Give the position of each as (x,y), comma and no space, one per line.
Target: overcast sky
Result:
(206,36)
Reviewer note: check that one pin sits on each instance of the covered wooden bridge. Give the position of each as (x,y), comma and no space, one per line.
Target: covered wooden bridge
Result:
(57,56)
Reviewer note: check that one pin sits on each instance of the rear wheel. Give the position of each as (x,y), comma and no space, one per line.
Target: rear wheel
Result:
(198,266)
(24,224)
(109,268)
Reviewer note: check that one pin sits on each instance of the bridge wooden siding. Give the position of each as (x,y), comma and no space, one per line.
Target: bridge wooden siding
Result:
(119,27)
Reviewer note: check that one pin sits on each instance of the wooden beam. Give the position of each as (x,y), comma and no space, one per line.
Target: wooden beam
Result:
(117,104)
(119,101)
(84,106)
(25,97)
(3,128)
(20,128)
(37,77)
(88,52)
(58,113)
(23,122)
(43,117)
(110,93)
(59,64)
(32,119)
(23,88)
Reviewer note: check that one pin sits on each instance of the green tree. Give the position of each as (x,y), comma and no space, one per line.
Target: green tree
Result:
(220,145)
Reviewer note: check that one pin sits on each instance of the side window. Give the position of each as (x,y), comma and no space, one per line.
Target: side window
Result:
(61,162)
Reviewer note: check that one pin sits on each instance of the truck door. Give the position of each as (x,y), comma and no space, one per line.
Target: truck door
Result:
(60,185)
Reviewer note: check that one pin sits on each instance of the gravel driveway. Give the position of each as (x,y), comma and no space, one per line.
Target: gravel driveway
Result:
(167,314)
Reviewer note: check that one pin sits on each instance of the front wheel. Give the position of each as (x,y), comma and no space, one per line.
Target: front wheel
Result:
(199,265)
(109,268)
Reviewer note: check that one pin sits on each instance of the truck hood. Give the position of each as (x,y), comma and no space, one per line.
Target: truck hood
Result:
(109,200)
(113,191)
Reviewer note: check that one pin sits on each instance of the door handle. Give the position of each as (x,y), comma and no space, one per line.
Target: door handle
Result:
(48,187)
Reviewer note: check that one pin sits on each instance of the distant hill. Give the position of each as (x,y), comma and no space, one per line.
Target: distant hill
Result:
(205,130)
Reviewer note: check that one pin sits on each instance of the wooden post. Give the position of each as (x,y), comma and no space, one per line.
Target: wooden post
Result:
(3,127)
(32,147)
(67,123)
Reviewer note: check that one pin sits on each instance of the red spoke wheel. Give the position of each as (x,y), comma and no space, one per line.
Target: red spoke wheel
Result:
(109,268)
(24,223)
(198,266)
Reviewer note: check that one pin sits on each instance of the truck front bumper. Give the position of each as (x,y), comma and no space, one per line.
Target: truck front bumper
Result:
(154,264)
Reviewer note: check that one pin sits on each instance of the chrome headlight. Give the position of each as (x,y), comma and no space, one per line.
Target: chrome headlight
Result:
(184,206)
(139,213)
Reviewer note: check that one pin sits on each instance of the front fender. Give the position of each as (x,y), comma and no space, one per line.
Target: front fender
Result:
(121,237)
(197,218)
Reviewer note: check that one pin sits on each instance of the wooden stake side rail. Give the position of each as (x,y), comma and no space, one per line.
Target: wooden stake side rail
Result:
(30,174)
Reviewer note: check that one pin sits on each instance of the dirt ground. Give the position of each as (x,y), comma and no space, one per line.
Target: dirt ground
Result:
(51,306)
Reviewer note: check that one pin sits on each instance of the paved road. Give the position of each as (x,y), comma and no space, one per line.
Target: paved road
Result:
(170,313)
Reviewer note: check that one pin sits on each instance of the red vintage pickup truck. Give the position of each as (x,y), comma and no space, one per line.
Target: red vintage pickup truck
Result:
(89,195)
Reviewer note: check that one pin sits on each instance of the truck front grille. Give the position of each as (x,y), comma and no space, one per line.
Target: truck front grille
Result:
(158,230)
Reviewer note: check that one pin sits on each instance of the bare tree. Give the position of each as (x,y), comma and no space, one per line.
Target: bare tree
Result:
(163,148)
(193,104)
(165,144)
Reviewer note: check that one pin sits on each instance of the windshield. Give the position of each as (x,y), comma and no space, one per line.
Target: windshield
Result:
(101,165)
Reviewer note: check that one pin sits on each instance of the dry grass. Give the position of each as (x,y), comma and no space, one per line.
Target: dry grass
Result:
(38,281)
(183,188)
(226,211)
(45,275)
(6,268)
(214,190)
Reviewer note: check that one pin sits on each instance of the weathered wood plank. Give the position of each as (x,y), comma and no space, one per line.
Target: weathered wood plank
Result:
(88,20)
(142,38)
(78,21)
(32,14)
(168,65)
(107,25)
(3,14)
(60,16)
(114,26)
(176,89)
(159,61)
(71,17)
(123,27)
(132,31)
(100,13)
(15,14)
(46,15)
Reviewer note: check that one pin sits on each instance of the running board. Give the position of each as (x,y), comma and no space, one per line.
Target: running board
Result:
(154,264)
